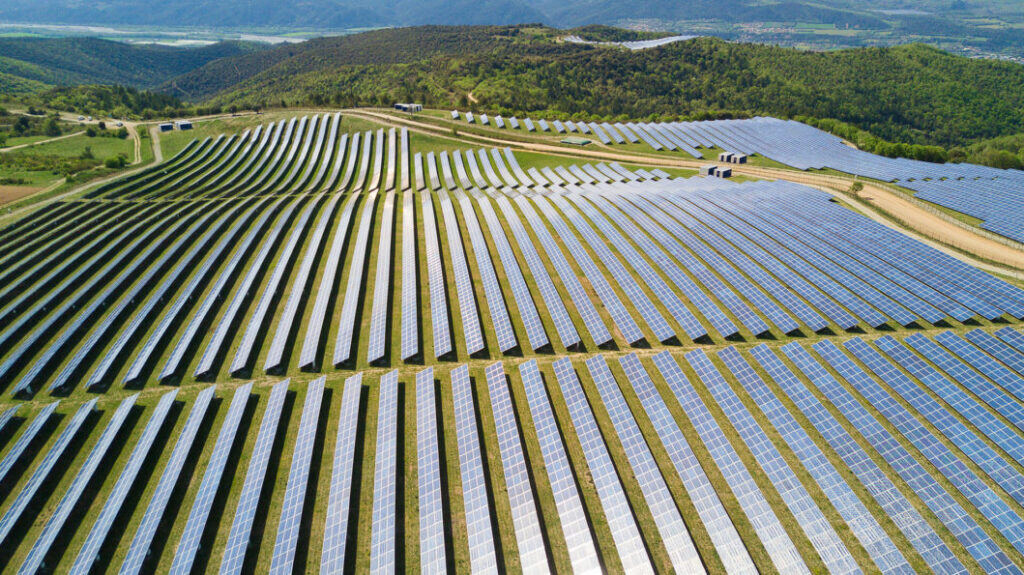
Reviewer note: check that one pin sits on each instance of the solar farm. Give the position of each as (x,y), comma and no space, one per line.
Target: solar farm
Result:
(305,348)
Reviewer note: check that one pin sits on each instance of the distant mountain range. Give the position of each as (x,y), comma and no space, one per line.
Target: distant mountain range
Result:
(328,14)
(42,62)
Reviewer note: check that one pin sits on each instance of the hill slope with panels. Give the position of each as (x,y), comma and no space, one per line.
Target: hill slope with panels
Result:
(308,348)
(989,194)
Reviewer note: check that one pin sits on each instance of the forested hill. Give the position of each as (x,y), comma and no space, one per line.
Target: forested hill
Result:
(913,93)
(39,62)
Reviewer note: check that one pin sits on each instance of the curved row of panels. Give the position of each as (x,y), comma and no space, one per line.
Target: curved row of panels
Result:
(887,455)
(988,194)
(477,257)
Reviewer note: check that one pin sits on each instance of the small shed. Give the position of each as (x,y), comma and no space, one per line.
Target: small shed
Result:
(166,127)
(708,170)
(183,125)
(723,172)
(739,158)
(725,157)
(455,114)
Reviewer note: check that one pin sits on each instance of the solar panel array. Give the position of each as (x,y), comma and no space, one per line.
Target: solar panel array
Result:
(625,533)
(428,473)
(245,514)
(336,529)
(42,471)
(289,523)
(195,525)
(385,461)
(482,557)
(112,507)
(674,534)
(529,540)
(207,265)
(70,499)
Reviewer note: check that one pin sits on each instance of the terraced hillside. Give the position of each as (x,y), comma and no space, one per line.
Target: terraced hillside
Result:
(306,348)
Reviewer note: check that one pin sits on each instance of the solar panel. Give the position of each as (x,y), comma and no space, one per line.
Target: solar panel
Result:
(996,467)
(428,472)
(878,544)
(42,471)
(669,522)
(347,321)
(514,276)
(382,530)
(435,277)
(410,281)
(496,309)
(28,492)
(591,319)
(710,281)
(300,284)
(604,290)
(34,559)
(215,293)
(446,171)
(389,181)
(435,182)
(823,537)
(997,349)
(258,316)
(227,319)
(482,558)
(378,162)
(996,398)
(982,547)
(625,533)
(25,439)
(328,279)
(289,523)
(336,534)
(471,329)
(139,549)
(650,277)
(529,538)
(417,163)
(125,482)
(719,526)
(381,284)
(571,516)
(405,163)
(196,523)
(977,359)
(885,493)
(971,409)
(245,514)
(763,519)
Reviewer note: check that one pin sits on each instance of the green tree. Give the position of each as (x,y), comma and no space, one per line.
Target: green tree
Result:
(51,128)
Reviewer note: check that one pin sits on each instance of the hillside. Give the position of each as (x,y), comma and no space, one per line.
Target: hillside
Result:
(913,94)
(40,62)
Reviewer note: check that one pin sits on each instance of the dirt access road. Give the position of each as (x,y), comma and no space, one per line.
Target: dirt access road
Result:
(874,201)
